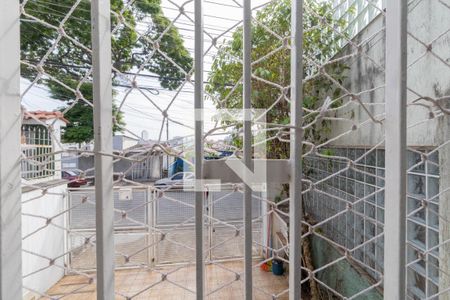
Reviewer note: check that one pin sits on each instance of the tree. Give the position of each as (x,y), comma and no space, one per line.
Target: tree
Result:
(68,63)
(320,43)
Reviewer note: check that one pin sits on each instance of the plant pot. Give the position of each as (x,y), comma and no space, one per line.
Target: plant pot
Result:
(277,267)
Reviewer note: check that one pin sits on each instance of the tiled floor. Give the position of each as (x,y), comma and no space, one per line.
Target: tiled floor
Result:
(220,280)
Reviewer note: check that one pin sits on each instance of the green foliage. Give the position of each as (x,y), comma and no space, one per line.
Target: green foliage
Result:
(68,63)
(328,152)
(320,43)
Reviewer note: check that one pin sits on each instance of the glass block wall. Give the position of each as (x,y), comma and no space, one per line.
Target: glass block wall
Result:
(357,13)
(353,201)
(423,225)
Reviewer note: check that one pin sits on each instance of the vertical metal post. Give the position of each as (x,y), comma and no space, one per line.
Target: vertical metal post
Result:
(198,95)
(247,105)
(210,212)
(10,153)
(102,67)
(150,228)
(395,129)
(153,225)
(167,140)
(295,186)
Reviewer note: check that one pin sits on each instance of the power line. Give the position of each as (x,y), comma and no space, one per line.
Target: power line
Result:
(205,15)
(56,64)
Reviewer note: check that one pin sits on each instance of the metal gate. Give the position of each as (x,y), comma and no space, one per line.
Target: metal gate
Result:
(226,224)
(223,226)
(131,227)
(155,229)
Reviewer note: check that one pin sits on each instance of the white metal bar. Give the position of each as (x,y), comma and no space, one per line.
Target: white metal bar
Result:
(295,186)
(10,153)
(198,105)
(210,212)
(150,228)
(102,91)
(395,129)
(155,237)
(247,142)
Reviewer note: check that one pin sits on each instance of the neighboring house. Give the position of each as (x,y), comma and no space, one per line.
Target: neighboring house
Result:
(40,139)
(121,142)
(43,193)
(150,165)
(69,159)
(147,168)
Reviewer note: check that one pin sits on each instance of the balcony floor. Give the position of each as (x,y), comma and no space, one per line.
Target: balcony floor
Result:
(130,282)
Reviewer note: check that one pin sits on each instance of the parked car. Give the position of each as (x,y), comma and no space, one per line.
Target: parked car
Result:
(91,178)
(74,179)
(180,178)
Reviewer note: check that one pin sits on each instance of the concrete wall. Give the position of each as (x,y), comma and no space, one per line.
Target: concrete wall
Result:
(366,72)
(49,242)
(337,275)
(427,77)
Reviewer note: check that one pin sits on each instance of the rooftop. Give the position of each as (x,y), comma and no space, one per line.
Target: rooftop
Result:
(45,115)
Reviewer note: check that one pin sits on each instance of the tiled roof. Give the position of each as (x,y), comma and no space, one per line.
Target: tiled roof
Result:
(45,115)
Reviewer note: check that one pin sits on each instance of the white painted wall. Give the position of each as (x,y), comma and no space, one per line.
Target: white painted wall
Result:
(49,242)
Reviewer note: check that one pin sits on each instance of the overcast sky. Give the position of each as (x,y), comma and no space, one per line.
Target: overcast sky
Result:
(139,113)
